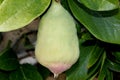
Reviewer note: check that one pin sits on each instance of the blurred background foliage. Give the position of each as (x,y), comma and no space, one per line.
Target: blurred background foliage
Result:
(98,29)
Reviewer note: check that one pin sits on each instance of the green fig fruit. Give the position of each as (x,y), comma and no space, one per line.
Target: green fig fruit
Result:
(57,46)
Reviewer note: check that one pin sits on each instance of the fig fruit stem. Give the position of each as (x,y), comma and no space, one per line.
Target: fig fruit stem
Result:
(57,1)
(56,76)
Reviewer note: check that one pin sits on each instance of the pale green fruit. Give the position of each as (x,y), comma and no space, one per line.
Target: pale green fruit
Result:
(57,46)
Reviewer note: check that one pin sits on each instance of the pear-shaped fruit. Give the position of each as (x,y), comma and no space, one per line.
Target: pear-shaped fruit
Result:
(57,46)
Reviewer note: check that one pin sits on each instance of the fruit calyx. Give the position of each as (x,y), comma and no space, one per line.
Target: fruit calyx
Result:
(58,68)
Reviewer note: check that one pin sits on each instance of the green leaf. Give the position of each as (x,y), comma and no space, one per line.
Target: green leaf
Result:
(95,68)
(116,54)
(8,59)
(25,72)
(80,69)
(103,26)
(65,4)
(43,71)
(105,73)
(4,76)
(109,75)
(86,36)
(94,55)
(100,5)
(113,66)
(93,77)
(15,14)
(102,73)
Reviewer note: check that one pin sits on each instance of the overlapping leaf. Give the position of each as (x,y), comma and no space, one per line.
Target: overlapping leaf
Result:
(95,54)
(25,72)
(102,71)
(116,55)
(15,14)
(105,27)
(8,59)
(79,71)
(113,66)
(100,5)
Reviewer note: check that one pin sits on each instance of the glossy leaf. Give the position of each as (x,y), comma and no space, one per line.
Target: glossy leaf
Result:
(105,74)
(102,72)
(15,14)
(103,26)
(65,4)
(109,75)
(113,66)
(95,54)
(100,5)
(94,69)
(25,72)
(4,76)
(8,59)
(116,54)
(80,69)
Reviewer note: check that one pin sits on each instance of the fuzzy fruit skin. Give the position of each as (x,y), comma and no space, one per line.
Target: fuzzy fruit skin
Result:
(57,46)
